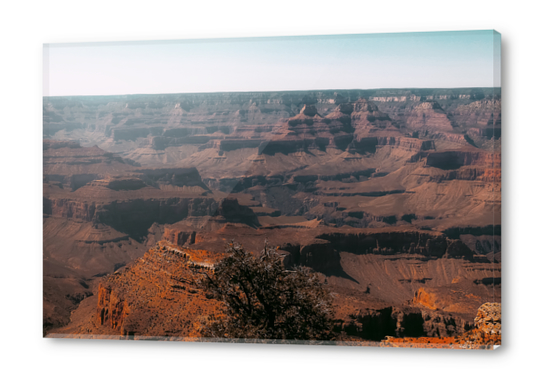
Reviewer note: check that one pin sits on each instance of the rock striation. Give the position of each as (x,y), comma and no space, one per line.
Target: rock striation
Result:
(429,117)
(392,196)
(157,295)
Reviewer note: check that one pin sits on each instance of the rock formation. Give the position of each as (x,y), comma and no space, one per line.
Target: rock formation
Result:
(485,334)
(487,329)
(391,196)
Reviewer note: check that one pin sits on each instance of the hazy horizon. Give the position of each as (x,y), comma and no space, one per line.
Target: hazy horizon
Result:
(436,60)
(303,90)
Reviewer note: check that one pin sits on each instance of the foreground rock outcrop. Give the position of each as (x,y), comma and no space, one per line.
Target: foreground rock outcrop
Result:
(157,295)
(487,329)
(486,334)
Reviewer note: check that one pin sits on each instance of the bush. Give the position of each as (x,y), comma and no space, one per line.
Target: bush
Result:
(263,300)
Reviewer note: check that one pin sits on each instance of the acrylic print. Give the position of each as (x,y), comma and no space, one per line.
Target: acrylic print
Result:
(339,190)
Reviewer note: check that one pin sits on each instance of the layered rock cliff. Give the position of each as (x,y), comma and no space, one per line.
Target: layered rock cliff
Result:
(392,196)
(157,295)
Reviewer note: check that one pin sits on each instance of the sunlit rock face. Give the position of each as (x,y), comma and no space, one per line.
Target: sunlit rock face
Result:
(391,196)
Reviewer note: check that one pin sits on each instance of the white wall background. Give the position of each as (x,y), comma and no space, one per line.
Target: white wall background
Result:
(25,26)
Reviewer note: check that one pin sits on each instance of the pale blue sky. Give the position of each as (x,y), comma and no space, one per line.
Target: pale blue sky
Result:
(362,61)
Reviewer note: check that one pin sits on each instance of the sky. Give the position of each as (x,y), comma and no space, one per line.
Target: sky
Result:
(356,61)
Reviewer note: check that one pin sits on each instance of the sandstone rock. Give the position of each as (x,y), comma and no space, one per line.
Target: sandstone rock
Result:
(486,334)
(428,116)
(487,329)
(157,295)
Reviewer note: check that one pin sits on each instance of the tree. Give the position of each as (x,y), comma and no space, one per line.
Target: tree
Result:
(263,300)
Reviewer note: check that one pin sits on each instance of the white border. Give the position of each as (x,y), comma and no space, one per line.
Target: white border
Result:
(27,25)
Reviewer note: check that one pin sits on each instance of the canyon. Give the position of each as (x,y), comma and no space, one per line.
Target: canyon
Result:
(393,197)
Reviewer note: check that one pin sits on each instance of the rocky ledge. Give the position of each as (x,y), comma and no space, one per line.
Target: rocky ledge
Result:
(486,334)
